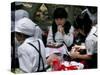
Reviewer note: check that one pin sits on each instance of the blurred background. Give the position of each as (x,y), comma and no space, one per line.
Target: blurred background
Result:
(41,13)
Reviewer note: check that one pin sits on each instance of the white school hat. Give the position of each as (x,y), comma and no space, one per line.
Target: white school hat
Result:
(25,26)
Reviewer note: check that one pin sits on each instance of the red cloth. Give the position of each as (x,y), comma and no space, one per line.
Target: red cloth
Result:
(57,66)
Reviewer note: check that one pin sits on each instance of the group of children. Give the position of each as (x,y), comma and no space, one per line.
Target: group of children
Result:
(30,53)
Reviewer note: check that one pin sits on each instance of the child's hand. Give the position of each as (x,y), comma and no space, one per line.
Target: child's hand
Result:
(61,29)
(74,54)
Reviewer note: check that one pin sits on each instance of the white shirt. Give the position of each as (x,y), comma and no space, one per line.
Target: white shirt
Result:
(91,41)
(29,57)
(62,50)
(67,38)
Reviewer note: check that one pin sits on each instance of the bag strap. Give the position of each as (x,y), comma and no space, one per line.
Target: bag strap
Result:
(40,56)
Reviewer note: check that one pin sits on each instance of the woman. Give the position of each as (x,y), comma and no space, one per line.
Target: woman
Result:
(60,35)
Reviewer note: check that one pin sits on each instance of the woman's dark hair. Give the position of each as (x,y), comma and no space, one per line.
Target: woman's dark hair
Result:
(83,22)
(87,23)
(67,26)
(60,13)
(78,23)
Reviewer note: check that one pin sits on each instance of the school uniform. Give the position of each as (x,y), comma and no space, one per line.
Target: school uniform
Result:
(91,47)
(30,60)
(65,40)
(31,51)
